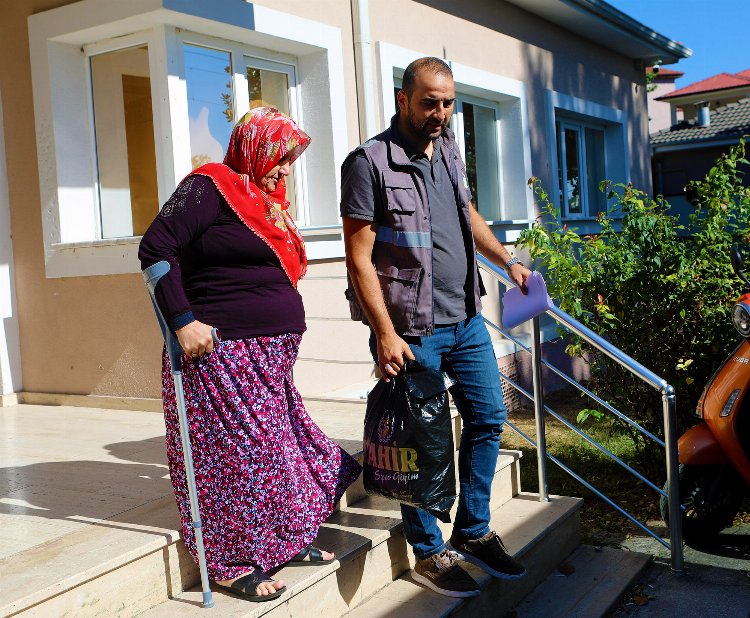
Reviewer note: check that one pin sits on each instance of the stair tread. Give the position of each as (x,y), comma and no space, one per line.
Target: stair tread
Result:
(84,543)
(600,578)
(45,570)
(521,521)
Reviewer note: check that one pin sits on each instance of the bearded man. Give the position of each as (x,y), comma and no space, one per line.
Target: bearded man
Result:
(411,236)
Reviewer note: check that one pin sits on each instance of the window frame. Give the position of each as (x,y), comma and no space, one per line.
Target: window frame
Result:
(457,125)
(90,50)
(575,112)
(289,68)
(240,55)
(565,123)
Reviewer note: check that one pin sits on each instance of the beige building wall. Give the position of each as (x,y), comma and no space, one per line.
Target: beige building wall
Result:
(97,335)
(501,38)
(661,114)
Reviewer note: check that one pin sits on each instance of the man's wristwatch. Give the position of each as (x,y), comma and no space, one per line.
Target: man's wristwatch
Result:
(511,262)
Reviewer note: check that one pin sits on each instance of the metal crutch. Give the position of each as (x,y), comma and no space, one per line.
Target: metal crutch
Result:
(151,275)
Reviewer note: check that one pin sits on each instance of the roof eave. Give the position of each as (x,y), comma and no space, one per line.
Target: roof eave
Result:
(693,97)
(695,144)
(604,24)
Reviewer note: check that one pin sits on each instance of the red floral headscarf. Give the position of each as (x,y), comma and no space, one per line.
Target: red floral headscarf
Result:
(260,139)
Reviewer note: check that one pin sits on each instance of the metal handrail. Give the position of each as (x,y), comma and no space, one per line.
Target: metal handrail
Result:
(643,373)
(586,437)
(580,387)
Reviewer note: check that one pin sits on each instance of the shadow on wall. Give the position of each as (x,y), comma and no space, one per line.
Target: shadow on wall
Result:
(553,58)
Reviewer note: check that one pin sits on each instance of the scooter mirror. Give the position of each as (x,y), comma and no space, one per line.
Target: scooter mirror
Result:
(738,264)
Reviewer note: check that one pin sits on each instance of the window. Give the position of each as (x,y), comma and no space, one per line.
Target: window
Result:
(587,143)
(581,167)
(124,135)
(273,83)
(221,87)
(126,106)
(477,127)
(208,78)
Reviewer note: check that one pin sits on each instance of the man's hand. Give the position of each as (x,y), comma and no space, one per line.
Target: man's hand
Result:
(391,352)
(195,339)
(518,274)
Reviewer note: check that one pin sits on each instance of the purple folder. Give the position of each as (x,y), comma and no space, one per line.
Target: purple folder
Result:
(519,307)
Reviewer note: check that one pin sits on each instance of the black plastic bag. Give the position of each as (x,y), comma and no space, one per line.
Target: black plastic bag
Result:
(408,441)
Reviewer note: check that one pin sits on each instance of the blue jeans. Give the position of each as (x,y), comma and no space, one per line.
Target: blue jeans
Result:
(464,351)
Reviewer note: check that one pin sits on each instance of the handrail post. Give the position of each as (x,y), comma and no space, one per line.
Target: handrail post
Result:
(673,480)
(541,440)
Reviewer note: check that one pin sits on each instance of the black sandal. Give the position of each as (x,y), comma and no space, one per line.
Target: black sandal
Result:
(309,555)
(247,585)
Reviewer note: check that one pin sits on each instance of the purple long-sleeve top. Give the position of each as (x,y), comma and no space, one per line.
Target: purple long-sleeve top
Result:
(221,272)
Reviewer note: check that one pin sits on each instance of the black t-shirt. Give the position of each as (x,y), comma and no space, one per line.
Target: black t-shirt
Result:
(221,272)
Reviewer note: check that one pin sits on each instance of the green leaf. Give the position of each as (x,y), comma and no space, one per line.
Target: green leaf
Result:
(587,413)
(668,288)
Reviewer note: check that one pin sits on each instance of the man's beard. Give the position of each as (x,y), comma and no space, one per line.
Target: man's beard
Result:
(421,128)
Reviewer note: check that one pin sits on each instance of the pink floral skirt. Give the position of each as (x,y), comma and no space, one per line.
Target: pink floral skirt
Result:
(267,476)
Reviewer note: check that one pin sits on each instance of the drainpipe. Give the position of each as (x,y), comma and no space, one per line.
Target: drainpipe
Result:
(363,67)
(10,343)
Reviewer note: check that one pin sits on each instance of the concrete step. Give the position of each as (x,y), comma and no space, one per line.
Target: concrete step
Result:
(590,584)
(81,524)
(82,573)
(95,531)
(540,534)
(112,567)
(370,549)
(315,376)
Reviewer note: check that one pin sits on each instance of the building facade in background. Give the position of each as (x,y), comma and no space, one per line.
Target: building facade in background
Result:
(108,104)
(709,117)
(661,115)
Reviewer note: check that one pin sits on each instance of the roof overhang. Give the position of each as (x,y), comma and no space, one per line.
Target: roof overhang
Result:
(706,95)
(695,144)
(602,23)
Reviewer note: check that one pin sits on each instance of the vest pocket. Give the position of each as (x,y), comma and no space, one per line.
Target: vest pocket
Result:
(400,193)
(399,286)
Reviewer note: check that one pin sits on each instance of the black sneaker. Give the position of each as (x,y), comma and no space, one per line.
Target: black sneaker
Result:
(444,575)
(488,553)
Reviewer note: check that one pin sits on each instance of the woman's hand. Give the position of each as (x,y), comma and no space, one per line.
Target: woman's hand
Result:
(195,339)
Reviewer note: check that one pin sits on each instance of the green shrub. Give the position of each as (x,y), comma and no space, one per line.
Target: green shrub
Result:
(660,292)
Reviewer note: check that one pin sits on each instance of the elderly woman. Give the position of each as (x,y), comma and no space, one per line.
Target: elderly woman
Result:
(267,476)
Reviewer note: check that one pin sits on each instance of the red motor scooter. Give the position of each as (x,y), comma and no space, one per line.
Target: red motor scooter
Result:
(714,455)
